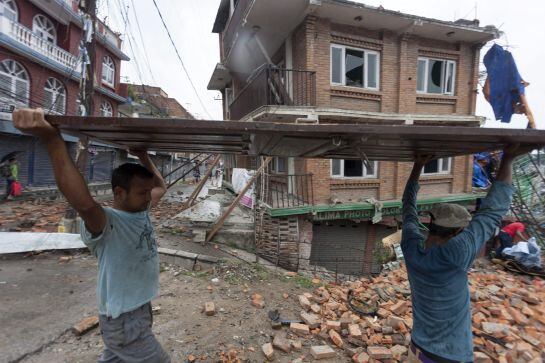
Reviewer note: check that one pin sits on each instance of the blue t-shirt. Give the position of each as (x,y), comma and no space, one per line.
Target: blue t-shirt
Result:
(128,265)
(438,275)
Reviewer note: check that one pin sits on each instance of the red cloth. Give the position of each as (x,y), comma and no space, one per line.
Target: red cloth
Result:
(513,228)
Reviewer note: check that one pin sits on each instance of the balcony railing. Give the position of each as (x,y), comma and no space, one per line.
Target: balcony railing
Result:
(275,86)
(288,191)
(25,36)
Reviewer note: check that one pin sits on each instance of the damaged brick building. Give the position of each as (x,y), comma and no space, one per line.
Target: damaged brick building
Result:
(337,61)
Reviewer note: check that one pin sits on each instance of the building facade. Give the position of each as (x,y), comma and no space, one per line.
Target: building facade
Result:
(337,61)
(41,66)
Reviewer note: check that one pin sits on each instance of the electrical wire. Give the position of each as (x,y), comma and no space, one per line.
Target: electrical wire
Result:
(180,59)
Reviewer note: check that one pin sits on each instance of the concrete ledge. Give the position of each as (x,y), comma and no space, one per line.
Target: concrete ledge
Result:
(185,259)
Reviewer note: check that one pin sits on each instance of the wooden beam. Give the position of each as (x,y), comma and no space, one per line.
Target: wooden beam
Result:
(220,221)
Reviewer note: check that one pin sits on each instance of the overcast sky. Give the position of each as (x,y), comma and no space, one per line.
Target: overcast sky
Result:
(190,23)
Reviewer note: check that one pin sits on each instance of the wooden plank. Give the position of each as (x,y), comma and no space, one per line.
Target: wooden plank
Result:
(379,142)
(191,200)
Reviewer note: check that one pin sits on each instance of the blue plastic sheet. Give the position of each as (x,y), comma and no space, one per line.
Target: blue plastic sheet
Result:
(506,84)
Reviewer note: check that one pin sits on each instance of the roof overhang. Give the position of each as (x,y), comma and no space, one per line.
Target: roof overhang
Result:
(101,38)
(339,141)
(220,78)
(271,22)
(378,18)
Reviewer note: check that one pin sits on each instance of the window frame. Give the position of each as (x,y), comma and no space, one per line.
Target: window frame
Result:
(443,85)
(365,66)
(56,88)
(440,165)
(274,165)
(14,70)
(110,71)
(103,109)
(48,21)
(365,176)
(11,5)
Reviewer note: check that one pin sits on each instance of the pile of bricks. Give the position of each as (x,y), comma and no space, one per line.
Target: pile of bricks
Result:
(508,319)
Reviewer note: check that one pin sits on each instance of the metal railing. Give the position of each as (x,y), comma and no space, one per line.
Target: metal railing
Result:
(275,86)
(288,191)
(25,36)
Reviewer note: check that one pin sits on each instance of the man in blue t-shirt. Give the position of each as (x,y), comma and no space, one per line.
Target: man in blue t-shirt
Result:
(122,238)
(437,266)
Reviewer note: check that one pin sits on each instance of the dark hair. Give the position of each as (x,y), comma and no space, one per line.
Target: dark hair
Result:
(440,231)
(123,174)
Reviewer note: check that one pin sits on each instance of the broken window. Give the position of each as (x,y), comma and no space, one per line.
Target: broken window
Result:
(436,76)
(354,67)
(353,169)
(438,166)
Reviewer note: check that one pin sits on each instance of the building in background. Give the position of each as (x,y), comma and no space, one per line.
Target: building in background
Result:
(40,66)
(149,101)
(337,61)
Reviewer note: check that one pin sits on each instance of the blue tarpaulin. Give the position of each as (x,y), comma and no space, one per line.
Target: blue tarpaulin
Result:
(506,84)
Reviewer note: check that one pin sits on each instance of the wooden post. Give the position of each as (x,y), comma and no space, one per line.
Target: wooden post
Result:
(220,222)
(191,200)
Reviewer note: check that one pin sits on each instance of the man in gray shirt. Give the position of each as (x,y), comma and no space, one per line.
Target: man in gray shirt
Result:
(122,238)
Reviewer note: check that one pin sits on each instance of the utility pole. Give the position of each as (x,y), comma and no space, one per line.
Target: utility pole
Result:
(87,90)
(87,85)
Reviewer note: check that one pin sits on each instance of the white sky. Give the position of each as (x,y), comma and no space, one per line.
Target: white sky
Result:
(190,23)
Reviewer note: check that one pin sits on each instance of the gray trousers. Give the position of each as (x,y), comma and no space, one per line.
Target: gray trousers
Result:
(128,338)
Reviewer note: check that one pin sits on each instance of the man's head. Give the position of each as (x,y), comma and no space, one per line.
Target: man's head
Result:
(447,220)
(12,160)
(132,185)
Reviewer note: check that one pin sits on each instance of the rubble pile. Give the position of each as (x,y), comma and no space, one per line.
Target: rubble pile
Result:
(508,319)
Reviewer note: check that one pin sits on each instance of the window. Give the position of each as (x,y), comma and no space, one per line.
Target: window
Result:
(108,71)
(55,96)
(353,169)
(106,109)
(14,82)
(436,76)
(9,9)
(279,165)
(44,28)
(354,67)
(438,166)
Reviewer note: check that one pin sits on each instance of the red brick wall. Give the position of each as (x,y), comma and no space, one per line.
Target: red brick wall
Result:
(390,184)
(398,76)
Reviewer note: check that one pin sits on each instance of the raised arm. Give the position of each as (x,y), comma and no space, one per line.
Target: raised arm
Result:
(159,186)
(69,180)
(410,213)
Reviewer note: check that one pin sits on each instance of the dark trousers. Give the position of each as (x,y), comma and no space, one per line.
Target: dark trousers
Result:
(9,182)
(505,241)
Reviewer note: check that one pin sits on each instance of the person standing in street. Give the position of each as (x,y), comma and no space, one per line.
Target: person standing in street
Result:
(437,265)
(122,238)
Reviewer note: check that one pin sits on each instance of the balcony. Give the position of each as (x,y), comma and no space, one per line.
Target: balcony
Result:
(287,191)
(22,40)
(272,86)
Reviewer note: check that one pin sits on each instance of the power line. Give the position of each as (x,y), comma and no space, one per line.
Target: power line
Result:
(181,61)
(143,44)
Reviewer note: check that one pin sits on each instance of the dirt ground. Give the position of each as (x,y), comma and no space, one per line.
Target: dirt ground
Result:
(39,306)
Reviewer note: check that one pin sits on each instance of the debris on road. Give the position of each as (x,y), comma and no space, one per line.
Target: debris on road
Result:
(85,325)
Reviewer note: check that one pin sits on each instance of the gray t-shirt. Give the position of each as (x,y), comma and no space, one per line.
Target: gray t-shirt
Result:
(128,265)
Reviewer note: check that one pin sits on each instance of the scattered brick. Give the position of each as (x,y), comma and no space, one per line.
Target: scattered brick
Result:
(281,342)
(322,352)
(299,329)
(336,338)
(377,352)
(267,350)
(209,308)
